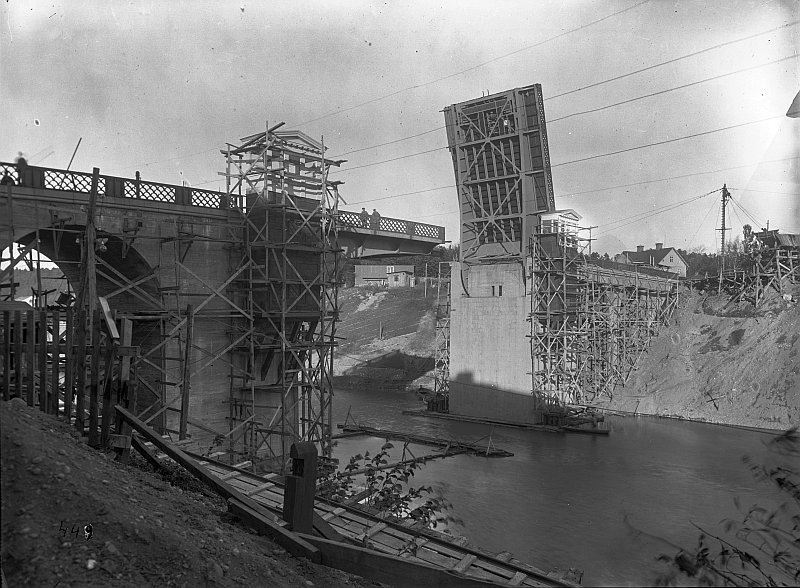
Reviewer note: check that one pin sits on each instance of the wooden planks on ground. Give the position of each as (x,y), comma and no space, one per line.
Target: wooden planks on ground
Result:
(391,569)
(394,538)
(266,525)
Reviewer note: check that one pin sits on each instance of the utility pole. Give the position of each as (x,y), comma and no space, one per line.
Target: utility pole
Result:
(725,196)
(426,280)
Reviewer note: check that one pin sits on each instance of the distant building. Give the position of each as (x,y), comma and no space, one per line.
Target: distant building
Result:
(392,276)
(663,258)
(401,277)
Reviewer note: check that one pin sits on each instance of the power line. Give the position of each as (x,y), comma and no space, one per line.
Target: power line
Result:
(671,89)
(502,57)
(675,177)
(405,194)
(597,156)
(738,218)
(387,160)
(693,135)
(702,222)
(748,214)
(400,140)
(572,194)
(645,215)
(474,67)
(649,67)
(618,78)
(387,143)
(765,191)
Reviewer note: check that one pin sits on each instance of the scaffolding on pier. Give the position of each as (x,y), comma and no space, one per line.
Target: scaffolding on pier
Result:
(442,354)
(557,325)
(284,281)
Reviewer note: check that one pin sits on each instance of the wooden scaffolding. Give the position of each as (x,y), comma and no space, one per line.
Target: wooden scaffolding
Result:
(278,303)
(590,320)
(284,281)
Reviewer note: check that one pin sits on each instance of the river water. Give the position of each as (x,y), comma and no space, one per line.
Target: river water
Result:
(571,500)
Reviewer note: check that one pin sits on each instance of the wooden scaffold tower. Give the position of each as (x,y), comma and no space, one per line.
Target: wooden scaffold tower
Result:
(441,386)
(284,280)
(557,328)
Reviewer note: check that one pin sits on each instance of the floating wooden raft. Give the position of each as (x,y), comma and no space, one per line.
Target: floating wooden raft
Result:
(393,538)
(447,445)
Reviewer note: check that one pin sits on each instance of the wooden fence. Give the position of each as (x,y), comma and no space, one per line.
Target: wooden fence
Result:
(73,371)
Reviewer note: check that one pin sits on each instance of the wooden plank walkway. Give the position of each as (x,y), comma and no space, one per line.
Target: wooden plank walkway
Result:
(393,538)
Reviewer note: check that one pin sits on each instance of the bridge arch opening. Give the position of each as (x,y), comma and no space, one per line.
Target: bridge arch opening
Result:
(123,276)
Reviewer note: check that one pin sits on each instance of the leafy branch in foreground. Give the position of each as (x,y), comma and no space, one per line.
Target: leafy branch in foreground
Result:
(386,488)
(763,548)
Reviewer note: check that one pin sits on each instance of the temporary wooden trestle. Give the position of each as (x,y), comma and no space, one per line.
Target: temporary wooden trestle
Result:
(396,552)
(78,380)
(590,320)
(775,263)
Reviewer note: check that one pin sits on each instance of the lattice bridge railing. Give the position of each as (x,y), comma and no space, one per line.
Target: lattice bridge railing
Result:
(114,187)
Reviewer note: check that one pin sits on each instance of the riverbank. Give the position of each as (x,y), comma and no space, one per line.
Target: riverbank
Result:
(717,362)
(720,363)
(148,529)
(627,414)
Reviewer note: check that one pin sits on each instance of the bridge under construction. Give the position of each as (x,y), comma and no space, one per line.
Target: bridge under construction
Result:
(530,324)
(212,315)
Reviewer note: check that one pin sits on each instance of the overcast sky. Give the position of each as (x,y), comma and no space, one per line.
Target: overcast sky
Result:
(160,87)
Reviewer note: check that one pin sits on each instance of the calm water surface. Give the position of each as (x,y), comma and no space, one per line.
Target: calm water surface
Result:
(563,500)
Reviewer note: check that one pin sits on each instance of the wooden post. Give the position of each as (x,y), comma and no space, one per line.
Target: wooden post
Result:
(300,488)
(30,353)
(87,297)
(44,405)
(91,256)
(55,366)
(69,374)
(80,367)
(18,352)
(108,404)
(125,390)
(187,364)
(6,354)
(94,440)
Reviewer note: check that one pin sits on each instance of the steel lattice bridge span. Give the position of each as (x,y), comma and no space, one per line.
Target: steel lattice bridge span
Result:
(226,301)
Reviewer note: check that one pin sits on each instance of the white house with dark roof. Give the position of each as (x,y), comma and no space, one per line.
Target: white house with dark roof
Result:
(663,258)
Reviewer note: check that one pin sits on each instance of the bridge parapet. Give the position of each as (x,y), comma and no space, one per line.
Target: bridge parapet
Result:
(356,223)
(136,188)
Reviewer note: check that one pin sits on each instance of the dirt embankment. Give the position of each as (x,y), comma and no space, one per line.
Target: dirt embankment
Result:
(147,529)
(721,363)
(387,337)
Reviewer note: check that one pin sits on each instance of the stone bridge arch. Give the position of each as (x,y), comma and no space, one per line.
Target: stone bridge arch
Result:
(126,280)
